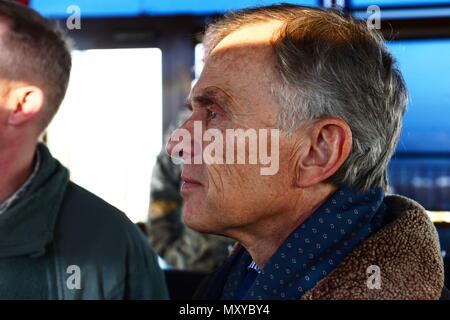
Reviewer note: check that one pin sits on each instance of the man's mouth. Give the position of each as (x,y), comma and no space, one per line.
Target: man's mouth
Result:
(189,183)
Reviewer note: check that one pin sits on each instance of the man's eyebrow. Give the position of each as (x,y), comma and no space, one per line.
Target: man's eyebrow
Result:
(210,96)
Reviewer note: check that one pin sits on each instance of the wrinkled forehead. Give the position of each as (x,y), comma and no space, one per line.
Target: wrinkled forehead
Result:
(249,46)
(257,34)
(243,60)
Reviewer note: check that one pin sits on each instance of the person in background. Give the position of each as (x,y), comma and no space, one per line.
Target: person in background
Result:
(57,240)
(320,225)
(177,244)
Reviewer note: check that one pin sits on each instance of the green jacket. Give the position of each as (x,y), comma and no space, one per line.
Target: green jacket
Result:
(59,241)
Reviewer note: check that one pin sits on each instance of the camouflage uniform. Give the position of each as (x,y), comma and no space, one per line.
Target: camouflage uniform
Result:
(176,243)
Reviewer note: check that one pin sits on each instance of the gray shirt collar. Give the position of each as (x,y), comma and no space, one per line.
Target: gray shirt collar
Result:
(16,196)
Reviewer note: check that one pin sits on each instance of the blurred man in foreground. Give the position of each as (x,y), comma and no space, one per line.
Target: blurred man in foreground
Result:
(57,240)
(312,220)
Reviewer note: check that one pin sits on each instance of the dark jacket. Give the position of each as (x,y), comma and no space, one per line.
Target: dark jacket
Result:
(406,250)
(59,241)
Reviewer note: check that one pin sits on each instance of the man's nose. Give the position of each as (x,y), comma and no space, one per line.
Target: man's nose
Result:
(175,147)
(180,146)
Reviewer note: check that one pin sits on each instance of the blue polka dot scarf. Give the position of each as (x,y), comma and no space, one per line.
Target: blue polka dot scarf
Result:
(312,251)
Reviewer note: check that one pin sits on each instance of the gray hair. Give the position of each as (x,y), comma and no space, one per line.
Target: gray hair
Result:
(331,65)
(33,49)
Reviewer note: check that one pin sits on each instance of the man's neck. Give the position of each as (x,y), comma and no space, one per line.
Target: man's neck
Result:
(265,239)
(16,165)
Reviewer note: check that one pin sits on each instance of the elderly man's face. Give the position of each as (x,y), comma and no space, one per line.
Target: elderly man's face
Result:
(233,92)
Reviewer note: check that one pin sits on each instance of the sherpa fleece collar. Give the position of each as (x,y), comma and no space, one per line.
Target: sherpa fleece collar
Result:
(407,253)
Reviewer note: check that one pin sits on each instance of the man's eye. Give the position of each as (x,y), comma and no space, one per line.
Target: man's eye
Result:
(211,114)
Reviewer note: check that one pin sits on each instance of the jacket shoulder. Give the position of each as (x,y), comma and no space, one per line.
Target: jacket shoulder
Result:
(406,252)
(78,198)
(111,251)
(84,214)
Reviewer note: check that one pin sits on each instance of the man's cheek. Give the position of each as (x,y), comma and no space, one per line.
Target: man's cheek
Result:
(217,178)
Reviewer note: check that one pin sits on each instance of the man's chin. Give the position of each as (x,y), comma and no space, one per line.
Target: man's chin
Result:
(193,219)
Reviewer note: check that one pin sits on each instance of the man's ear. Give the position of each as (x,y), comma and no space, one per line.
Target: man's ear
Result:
(26,103)
(329,143)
